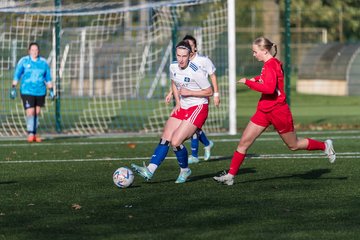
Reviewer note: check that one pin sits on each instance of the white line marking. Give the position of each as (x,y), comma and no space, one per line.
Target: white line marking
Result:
(155,140)
(250,156)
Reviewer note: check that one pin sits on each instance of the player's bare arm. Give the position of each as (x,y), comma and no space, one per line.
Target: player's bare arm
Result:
(202,93)
(169,97)
(216,89)
(176,93)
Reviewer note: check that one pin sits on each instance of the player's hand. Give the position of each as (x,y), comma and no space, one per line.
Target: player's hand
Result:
(51,94)
(168,98)
(13,93)
(217,101)
(175,109)
(242,80)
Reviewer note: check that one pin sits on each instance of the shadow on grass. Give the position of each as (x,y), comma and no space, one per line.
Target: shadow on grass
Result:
(315,174)
(193,178)
(241,172)
(8,182)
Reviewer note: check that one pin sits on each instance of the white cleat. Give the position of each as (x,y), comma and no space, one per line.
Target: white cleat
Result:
(329,151)
(225,178)
(193,159)
(207,149)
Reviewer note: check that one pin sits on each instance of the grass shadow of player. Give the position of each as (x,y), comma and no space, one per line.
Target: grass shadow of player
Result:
(204,176)
(315,174)
(8,182)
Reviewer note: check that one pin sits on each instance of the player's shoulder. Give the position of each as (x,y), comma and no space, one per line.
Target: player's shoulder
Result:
(24,59)
(273,62)
(173,65)
(193,66)
(42,59)
(203,58)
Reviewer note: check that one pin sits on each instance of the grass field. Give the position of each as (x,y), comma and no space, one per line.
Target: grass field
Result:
(62,189)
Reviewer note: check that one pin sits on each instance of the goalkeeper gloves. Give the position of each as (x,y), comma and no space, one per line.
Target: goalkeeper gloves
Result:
(13,92)
(51,94)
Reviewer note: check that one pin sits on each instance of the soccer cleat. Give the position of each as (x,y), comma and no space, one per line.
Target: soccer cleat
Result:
(37,138)
(225,178)
(142,171)
(207,149)
(183,176)
(31,138)
(329,151)
(193,159)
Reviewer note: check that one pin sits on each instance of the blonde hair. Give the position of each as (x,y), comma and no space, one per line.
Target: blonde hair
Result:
(264,43)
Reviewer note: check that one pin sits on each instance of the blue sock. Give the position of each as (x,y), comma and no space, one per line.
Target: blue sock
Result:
(181,155)
(160,152)
(30,124)
(195,145)
(203,139)
(36,123)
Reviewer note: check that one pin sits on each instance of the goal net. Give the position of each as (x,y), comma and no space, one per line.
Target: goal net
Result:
(112,61)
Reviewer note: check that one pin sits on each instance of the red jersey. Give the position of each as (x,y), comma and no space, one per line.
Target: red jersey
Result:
(271,84)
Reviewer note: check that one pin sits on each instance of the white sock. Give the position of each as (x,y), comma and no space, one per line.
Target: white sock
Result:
(152,167)
(184,169)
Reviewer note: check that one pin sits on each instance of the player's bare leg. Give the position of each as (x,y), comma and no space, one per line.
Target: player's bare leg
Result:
(294,143)
(160,151)
(251,132)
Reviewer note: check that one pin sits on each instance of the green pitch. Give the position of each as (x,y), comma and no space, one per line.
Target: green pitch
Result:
(63,189)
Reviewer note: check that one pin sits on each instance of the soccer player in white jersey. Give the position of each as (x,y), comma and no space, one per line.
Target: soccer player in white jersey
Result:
(208,68)
(191,91)
(34,73)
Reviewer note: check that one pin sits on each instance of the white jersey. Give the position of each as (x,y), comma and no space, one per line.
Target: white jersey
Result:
(205,64)
(191,78)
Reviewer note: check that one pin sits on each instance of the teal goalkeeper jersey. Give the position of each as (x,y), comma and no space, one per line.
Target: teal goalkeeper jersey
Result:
(33,76)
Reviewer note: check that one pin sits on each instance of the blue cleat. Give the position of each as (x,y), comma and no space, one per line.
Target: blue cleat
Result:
(142,171)
(207,153)
(183,176)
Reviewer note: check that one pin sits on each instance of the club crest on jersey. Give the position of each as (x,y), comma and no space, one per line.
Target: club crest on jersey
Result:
(186,79)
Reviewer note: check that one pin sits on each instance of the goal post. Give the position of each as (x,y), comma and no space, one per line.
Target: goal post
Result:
(112,60)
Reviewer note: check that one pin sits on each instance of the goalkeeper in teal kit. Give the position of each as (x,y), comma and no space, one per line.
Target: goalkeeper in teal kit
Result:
(33,72)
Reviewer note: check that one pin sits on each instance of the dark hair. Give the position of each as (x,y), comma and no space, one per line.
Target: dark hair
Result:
(264,43)
(191,38)
(33,44)
(184,45)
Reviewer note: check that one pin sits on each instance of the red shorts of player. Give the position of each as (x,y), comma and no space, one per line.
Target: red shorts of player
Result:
(280,117)
(196,115)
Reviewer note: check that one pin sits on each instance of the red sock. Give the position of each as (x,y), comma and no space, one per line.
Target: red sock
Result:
(236,161)
(315,145)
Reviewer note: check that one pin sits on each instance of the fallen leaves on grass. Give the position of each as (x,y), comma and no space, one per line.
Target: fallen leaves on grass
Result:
(76,206)
(131,145)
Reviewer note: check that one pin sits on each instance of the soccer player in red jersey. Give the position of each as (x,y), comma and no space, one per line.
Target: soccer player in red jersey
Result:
(272,109)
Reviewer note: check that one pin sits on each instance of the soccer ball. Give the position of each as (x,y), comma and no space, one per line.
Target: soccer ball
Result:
(123,177)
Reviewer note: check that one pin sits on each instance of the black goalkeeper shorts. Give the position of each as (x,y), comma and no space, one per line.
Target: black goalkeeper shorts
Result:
(32,101)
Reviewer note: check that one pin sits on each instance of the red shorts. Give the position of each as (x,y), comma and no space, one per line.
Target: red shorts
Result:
(196,115)
(280,117)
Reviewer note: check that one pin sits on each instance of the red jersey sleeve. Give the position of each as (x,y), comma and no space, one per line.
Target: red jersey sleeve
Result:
(266,82)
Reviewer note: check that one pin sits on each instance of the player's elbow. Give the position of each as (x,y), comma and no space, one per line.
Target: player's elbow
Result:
(209,92)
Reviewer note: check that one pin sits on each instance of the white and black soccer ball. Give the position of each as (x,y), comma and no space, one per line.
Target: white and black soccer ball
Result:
(123,177)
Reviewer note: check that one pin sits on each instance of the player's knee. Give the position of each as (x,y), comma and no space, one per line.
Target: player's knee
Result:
(175,142)
(293,147)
